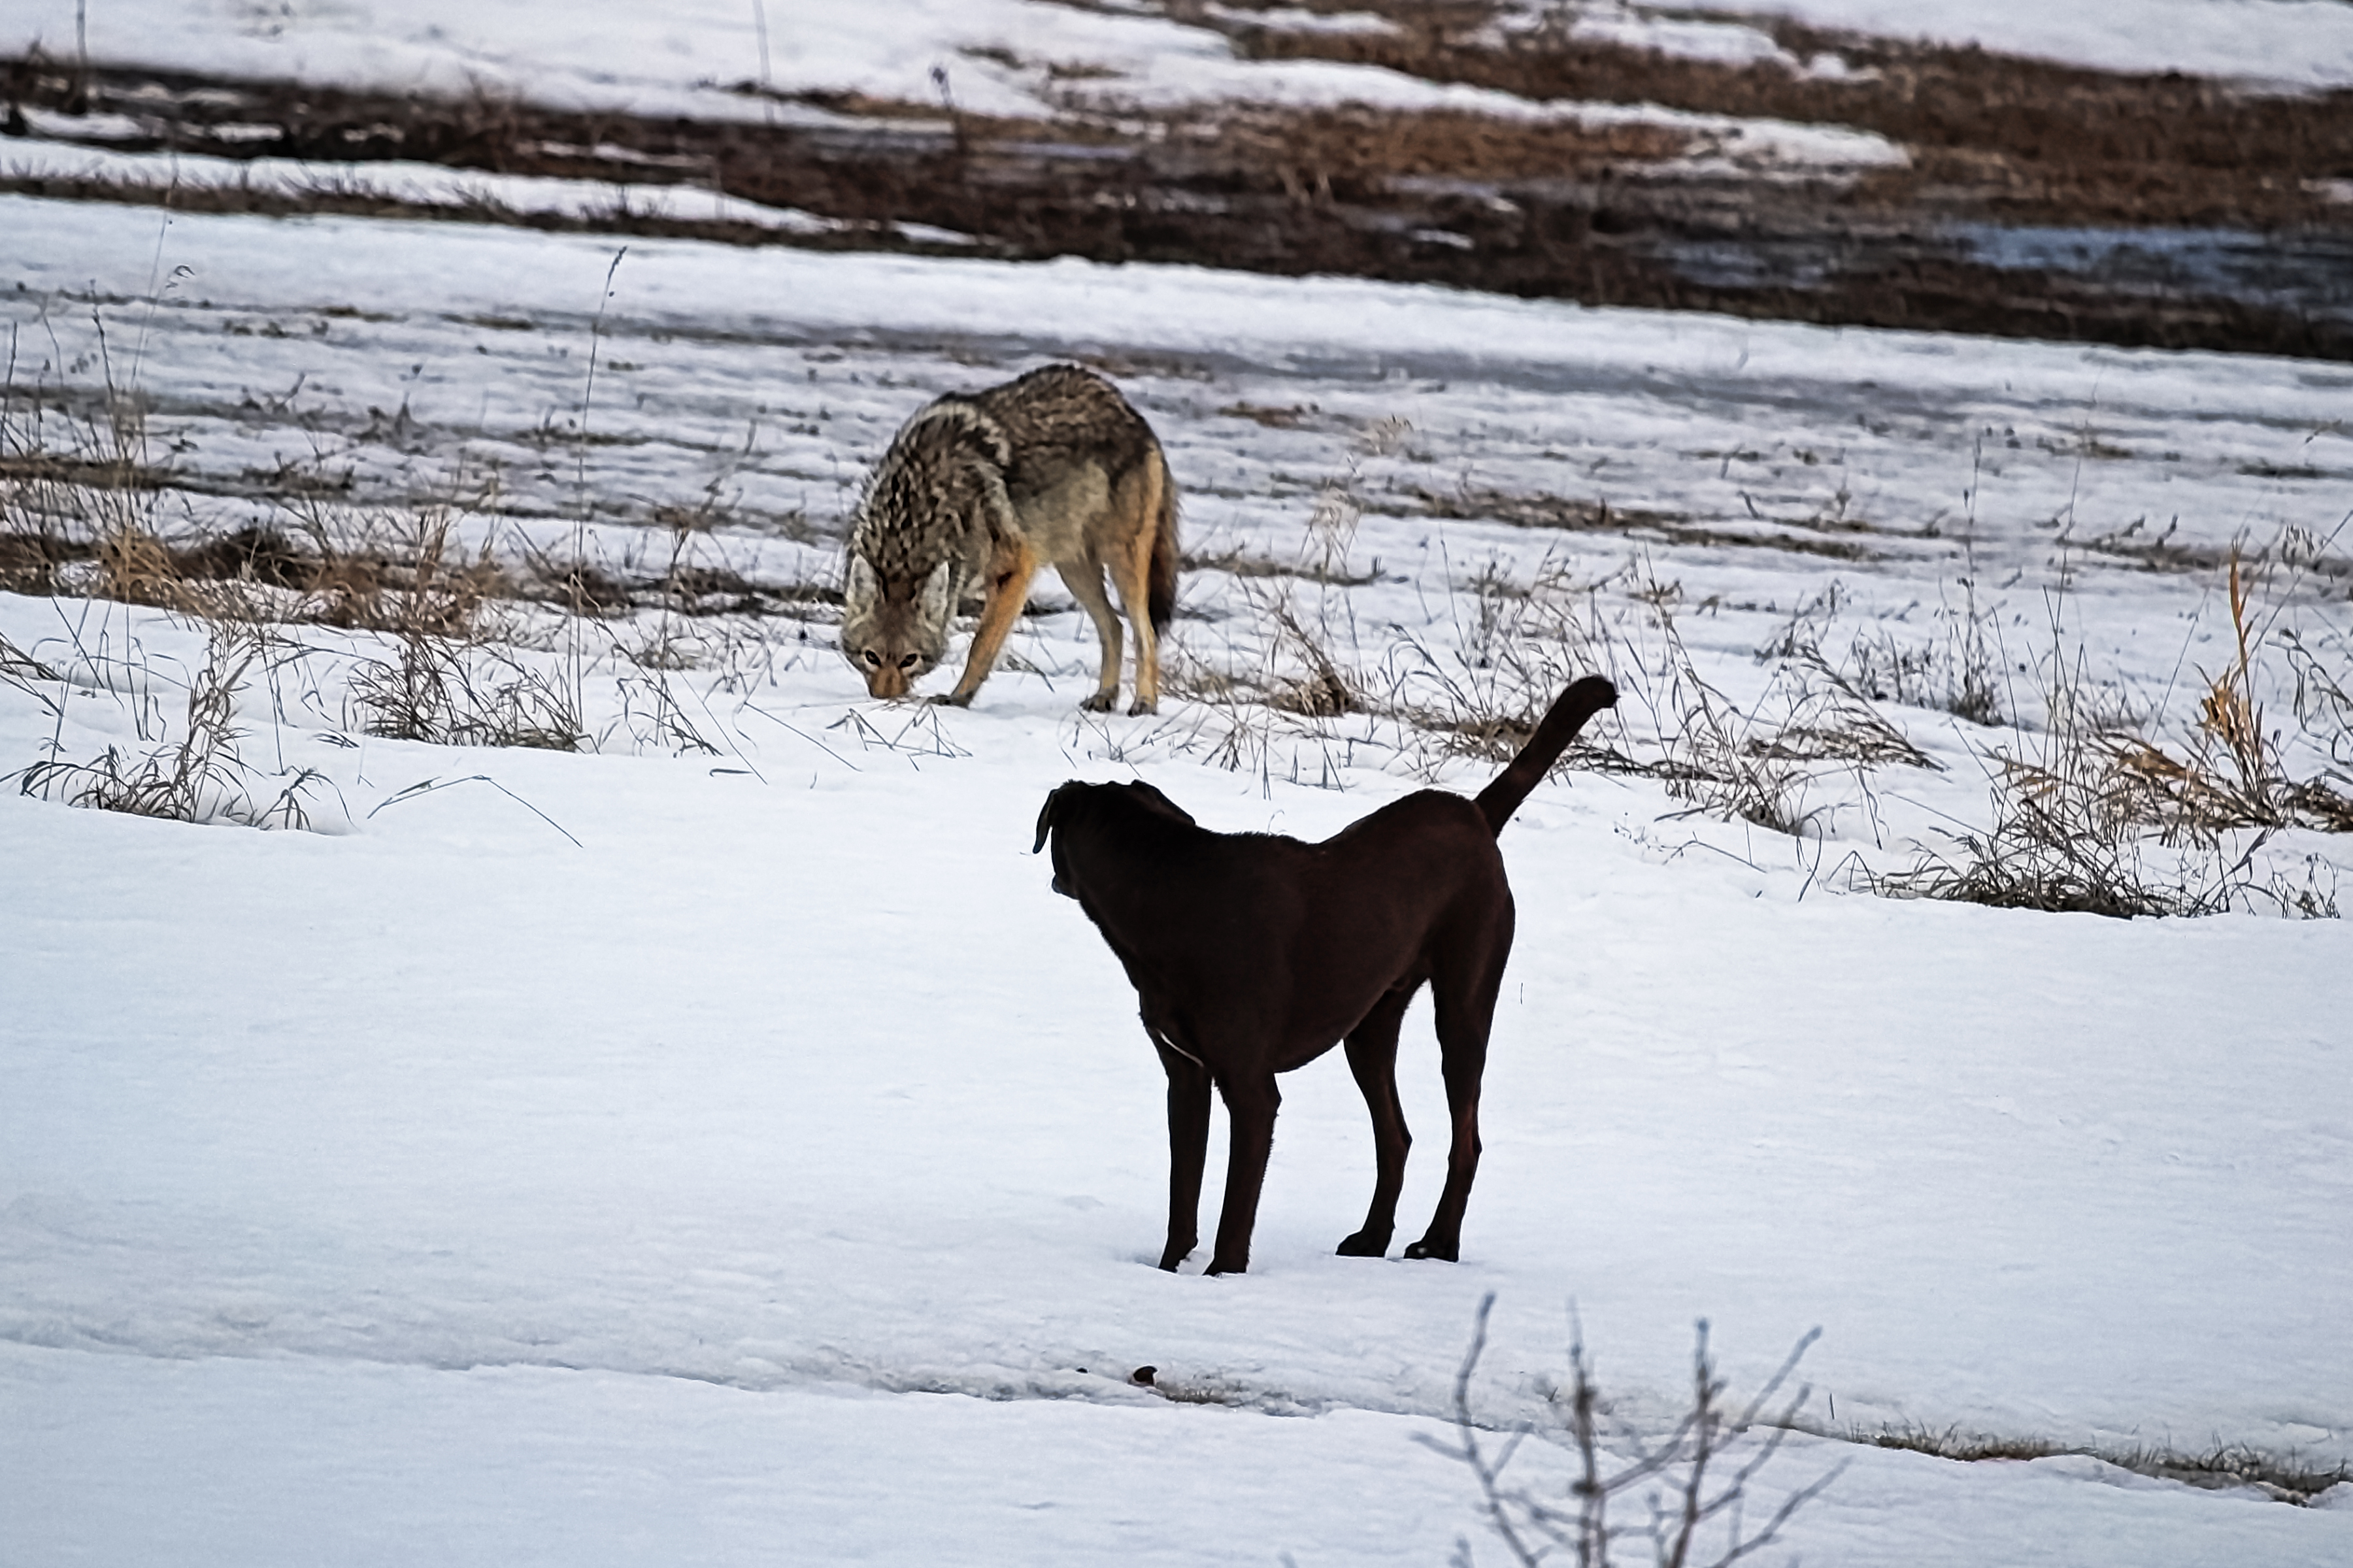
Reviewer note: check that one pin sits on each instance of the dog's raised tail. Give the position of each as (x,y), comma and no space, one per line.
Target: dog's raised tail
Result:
(1567,716)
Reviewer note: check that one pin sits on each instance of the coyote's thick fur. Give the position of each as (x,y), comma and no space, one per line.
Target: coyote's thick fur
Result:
(1253,954)
(1054,466)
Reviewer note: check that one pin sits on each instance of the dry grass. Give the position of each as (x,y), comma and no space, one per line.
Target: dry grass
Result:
(196,775)
(2068,832)
(2232,775)
(2094,815)
(457,694)
(2283,1478)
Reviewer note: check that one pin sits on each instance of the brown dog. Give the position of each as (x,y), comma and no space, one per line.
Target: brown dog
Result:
(1253,954)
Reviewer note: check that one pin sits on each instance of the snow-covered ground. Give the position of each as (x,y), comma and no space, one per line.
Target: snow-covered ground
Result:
(392,181)
(577,1162)
(686,57)
(713,1157)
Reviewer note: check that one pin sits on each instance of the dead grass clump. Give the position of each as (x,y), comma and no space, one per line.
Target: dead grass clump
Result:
(1517,648)
(135,566)
(456,694)
(1724,763)
(2098,817)
(2076,819)
(198,776)
(1762,765)
(1830,720)
(78,489)
(403,574)
(2232,774)
(1326,691)
(2067,834)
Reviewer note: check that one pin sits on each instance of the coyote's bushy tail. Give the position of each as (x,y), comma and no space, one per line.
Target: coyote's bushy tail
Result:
(1161,592)
(1568,715)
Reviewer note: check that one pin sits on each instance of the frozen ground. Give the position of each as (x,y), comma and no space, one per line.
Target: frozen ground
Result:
(638,1156)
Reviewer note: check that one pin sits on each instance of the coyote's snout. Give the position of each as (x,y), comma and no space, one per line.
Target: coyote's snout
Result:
(1054,467)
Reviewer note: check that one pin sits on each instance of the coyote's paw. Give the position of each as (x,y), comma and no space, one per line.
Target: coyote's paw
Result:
(951,699)
(1101,702)
(1140,707)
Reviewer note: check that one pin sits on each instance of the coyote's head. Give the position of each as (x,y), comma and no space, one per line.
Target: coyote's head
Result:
(924,527)
(894,629)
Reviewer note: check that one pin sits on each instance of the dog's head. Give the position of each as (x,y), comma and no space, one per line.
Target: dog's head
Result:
(1078,801)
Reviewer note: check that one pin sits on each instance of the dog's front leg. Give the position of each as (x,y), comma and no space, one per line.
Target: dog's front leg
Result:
(1249,1106)
(1188,1149)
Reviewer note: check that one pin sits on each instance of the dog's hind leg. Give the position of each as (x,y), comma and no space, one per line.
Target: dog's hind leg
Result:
(1372,1057)
(1465,995)
(1085,581)
(1188,1149)
(1250,1105)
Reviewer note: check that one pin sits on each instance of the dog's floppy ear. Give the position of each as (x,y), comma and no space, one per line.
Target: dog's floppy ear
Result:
(1161,802)
(1051,812)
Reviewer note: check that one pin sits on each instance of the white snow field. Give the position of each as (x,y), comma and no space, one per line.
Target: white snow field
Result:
(691,56)
(622,1156)
(738,1154)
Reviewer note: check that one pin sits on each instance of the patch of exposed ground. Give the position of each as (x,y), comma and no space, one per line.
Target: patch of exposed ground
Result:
(2038,200)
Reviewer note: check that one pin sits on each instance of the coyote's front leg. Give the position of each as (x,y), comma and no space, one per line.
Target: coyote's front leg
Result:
(1009,590)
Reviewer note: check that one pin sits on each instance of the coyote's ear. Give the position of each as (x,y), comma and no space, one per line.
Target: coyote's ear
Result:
(1051,813)
(859,584)
(936,599)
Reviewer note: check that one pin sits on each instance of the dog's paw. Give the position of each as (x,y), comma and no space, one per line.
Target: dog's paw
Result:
(1366,1244)
(1429,1246)
(1101,702)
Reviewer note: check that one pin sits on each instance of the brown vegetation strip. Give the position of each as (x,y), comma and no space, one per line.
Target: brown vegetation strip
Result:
(1992,135)
(1598,215)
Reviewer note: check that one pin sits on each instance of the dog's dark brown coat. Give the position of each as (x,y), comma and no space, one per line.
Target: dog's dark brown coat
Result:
(1253,954)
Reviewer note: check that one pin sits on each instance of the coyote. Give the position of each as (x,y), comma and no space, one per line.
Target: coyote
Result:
(1054,466)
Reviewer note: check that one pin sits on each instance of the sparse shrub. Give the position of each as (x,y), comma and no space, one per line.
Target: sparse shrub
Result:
(1694,1481)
